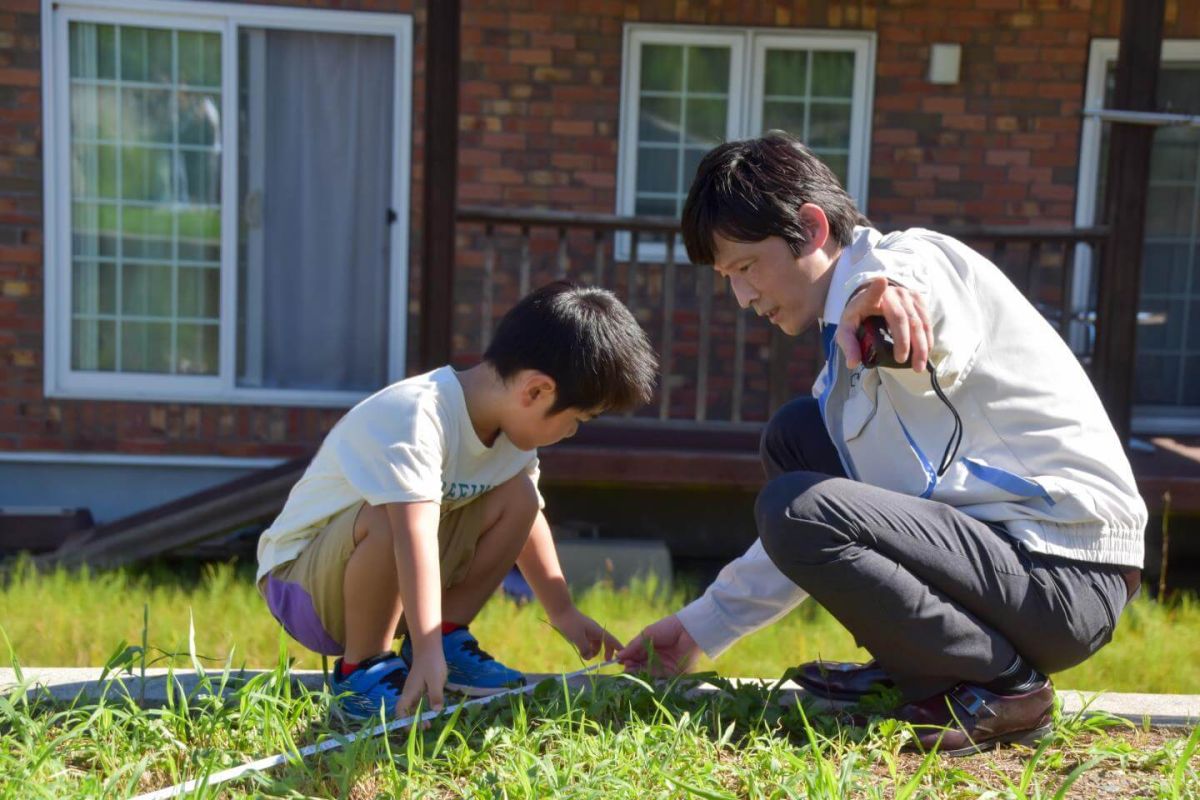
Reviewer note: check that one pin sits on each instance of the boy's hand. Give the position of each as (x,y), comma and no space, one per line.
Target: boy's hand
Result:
(907,321)
(585,633)
(426,678)
(665,648)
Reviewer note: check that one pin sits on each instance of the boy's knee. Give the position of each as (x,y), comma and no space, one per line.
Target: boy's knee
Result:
(518,496)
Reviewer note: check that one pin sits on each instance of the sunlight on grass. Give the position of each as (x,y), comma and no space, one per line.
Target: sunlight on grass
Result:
(64,619)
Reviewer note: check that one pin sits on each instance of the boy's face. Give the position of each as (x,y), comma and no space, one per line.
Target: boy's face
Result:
(530,425)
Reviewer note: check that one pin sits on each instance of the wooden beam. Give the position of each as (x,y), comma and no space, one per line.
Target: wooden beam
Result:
(440,180)
(1125,211)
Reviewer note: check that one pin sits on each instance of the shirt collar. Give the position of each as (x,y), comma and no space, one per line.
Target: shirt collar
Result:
(862,241)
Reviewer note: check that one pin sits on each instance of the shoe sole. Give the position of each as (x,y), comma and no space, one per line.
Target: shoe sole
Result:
(818,691)
(479,691)
(1028,738)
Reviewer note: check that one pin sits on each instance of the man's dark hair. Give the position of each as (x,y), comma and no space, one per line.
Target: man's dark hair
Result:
(752,189)
(583,338)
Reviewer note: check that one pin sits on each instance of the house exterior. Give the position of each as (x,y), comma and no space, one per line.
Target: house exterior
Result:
(210,212)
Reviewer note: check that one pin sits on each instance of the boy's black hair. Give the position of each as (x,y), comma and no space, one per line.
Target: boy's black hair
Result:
(752,189)
(583,338)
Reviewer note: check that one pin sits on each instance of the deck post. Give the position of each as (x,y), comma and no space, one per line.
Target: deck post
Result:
(440,180)
(1120,276)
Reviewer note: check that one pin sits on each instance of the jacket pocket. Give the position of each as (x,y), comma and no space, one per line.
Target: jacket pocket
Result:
(885,452)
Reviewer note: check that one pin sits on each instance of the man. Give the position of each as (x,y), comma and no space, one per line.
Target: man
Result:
(972,518)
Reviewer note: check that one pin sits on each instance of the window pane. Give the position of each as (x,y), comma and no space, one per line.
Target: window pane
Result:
(833,74)
(784,115)
(657,170)
(145,54)
(838,162)
(660,119)
(708,69)
(655,207)
(313,250)
(93,51)
(198,345)
(199,59)
(199,234)
(829,125)
(145,347)
(662,67)
(692,118)
(146,290)
(93,230)
(1166,331)
(706,121)
(200,177)
(93,344)
(145,186)
(199,119)
(1171,265)
(199,292)
(786,72)
(146,174)
(93,112)
(1158,380)
(146,232)
(94,171)
(94,287)
(147,115)
(691,162)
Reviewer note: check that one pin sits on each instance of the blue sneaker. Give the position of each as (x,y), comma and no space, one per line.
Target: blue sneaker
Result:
(470,670)
(377,682)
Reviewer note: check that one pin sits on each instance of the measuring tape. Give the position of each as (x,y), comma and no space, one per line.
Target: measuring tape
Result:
(263,764)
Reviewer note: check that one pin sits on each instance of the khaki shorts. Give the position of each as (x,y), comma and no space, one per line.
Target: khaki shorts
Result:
(306,595)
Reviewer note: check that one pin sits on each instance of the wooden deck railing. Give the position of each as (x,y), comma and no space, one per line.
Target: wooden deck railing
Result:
(721,368)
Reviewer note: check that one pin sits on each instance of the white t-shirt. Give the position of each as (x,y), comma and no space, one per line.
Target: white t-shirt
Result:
(408,443)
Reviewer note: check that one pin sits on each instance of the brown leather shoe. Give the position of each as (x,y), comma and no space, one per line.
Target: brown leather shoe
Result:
(841,680)
(969,719)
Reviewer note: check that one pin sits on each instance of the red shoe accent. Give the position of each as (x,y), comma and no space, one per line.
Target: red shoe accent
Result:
(450,627)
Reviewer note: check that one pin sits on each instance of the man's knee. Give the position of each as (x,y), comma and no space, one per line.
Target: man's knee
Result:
(791,513)
(786,425)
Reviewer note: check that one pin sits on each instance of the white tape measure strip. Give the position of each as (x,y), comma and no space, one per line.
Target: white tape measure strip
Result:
(263,764)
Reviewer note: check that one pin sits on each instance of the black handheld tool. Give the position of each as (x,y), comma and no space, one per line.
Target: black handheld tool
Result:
(876,344)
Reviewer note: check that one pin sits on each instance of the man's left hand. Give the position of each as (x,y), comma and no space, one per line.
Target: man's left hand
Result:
(587,635)
(907,321)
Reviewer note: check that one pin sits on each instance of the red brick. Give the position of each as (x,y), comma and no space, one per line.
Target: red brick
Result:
(567,127)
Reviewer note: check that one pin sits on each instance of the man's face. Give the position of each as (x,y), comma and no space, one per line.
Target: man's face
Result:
(767,278)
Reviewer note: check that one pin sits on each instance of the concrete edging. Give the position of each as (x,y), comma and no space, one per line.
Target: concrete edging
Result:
(66,684)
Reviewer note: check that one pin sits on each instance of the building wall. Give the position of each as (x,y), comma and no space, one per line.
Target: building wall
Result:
(539,101)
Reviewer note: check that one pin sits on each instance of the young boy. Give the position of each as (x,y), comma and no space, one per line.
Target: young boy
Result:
(423,496)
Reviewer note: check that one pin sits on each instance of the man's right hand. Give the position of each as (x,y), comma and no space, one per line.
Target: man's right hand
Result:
(664,648)
(426,678)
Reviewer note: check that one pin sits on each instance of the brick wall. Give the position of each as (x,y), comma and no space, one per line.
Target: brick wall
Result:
(29,420)
(539,106)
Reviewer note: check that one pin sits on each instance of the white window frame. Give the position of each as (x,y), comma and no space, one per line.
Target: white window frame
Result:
(1103,54)
(747,79)
(60,380)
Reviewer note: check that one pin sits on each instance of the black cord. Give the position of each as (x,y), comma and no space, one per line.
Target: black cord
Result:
(956,437)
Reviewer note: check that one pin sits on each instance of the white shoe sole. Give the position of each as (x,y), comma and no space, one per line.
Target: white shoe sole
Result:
(477,691)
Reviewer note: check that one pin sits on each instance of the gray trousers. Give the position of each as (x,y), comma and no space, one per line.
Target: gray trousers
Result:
(936,596)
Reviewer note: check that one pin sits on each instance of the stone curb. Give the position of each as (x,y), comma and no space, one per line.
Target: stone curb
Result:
(1160,710)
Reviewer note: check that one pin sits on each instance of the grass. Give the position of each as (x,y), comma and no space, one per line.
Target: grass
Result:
(618,738)
(65,619)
